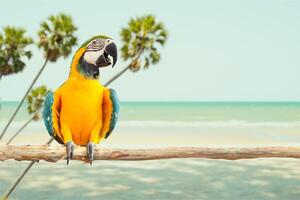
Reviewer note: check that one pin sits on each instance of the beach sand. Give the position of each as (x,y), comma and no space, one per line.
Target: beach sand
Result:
(156,135)
(164,179)
(159,179)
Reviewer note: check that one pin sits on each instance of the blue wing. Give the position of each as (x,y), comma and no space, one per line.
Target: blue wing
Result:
(115,111)
(48,118)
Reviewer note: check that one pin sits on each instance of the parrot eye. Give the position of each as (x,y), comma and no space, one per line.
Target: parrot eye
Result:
(96,44)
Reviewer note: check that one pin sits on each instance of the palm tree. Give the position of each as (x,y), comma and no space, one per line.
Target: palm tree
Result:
(56,39)
(13,45)
(141,39)
(35,102)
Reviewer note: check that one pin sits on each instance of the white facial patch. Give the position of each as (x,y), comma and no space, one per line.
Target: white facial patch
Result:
(92,56)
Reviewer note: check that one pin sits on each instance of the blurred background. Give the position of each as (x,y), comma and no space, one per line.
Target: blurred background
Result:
(210,73)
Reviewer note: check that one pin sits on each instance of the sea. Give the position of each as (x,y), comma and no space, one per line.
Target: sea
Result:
(185,123)
(157,124)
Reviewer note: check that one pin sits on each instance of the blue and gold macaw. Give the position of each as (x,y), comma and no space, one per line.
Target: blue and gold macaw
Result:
(81,110)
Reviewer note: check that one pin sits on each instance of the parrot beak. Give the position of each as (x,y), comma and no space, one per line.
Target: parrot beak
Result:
(104,60)
(111,49)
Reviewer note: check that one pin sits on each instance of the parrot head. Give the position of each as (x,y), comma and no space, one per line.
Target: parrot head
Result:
(97,52)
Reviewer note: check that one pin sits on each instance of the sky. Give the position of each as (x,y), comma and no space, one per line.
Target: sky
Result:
(216,50)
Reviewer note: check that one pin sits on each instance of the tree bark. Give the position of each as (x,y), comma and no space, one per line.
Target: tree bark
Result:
(54,154)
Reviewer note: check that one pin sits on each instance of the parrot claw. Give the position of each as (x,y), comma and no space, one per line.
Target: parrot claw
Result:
(90,152)
(70,149)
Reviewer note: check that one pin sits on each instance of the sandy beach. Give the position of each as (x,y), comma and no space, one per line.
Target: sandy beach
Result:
(164,179)
(178,179)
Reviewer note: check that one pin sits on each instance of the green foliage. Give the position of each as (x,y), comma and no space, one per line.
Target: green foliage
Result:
(143,36)
(56,36)
(36,100)
(13,45)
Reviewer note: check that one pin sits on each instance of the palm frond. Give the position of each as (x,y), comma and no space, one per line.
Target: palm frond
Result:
(13,44)
(56,36)
(143,34)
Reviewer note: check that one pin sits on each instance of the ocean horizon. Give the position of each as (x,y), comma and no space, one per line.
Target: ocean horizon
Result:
(200,122)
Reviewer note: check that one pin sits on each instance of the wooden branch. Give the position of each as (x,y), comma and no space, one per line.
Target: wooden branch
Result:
(54,154)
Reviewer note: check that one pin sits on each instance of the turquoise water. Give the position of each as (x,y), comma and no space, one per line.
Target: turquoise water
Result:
(212,111)
(186,123)
(192,111)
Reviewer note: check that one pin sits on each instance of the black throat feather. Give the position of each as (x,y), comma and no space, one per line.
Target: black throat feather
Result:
(88,70)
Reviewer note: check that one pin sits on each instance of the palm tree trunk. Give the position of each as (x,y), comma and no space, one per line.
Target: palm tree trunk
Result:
(14,185)
(117,75)
(17,133)
(23,99)
(125,69)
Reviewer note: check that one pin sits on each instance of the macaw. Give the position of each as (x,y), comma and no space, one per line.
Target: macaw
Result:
(82,111)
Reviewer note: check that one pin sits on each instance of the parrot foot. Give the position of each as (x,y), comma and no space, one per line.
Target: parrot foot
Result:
(90,152)
(70,149)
